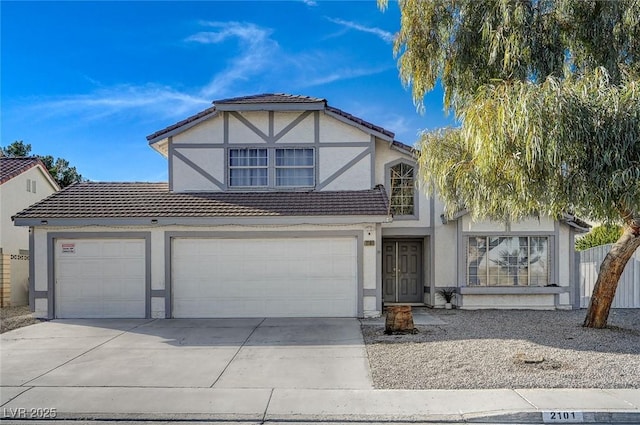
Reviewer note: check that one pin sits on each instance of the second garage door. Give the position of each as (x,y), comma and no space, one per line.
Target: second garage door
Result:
(264,277)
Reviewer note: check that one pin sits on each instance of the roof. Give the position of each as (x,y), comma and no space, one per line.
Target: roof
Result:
(360,121)
(192,118)
(575,222)
(13,167)
(270,98)
(98,200)
(274,99)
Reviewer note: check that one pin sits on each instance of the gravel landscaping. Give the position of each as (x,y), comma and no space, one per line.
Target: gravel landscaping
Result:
(15,317)
(508,349)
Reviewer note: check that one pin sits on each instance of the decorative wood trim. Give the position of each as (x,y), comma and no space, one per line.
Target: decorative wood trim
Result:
(344,168)
(200,170)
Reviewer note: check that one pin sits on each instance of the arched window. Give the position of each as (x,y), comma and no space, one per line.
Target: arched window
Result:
(402,188)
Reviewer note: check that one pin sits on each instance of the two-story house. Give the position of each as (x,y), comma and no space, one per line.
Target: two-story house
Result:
(23,182)
(282,205)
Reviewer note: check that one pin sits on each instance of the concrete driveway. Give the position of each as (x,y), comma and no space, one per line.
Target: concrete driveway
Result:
(187,353)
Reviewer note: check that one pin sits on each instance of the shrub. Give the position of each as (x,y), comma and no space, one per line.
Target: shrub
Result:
(599,235)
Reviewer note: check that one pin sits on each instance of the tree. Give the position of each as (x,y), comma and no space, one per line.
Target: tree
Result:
(16,149)
(547,93)
(59,168)
(599,235)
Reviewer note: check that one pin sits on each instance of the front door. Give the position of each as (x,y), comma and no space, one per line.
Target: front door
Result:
(402,271)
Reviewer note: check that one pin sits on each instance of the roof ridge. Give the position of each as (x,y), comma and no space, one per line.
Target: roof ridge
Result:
(267,95)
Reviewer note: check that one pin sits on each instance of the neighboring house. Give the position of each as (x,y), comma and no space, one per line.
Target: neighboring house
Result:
(281,205)
(23,182)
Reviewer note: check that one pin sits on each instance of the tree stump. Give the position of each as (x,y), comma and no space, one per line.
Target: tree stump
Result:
(399,320)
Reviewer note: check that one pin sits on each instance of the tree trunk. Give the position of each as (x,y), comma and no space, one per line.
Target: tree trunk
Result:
(609,275)
(399,320)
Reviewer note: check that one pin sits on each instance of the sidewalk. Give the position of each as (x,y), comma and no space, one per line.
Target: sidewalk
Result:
(273,405)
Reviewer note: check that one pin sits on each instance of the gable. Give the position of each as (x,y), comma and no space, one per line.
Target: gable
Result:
(342,154)
(333,130)
(12,168)
(252,143)
(210,130)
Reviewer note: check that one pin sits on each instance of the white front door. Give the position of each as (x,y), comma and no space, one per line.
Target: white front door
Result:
(100,278)
(293,277)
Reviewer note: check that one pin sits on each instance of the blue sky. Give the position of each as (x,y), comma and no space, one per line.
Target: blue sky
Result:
(88,81)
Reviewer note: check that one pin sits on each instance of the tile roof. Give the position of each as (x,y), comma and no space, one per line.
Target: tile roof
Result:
(138,200)
(12,167)
(360,121)
(201,114)
(404,147)
(271,98)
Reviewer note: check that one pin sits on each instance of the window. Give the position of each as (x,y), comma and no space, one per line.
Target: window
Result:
(294,167)
(248,167)
(33,186)
(508,261)
(28,185)
(272,167)
(402,189)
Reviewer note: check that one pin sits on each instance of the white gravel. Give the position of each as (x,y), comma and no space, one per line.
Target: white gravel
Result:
(15,317)
(508,349)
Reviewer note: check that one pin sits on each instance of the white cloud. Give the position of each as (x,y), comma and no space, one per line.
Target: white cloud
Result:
(124,99)
(259,64)
(310,2)
(257,52)
(343,74)
(386,36)
(242,30)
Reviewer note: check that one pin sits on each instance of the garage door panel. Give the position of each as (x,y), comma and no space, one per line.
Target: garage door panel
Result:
(264,277)
(100,278)
(134,249)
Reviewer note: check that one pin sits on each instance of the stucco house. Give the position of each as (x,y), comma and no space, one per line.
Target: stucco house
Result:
(282,205)
(23,182)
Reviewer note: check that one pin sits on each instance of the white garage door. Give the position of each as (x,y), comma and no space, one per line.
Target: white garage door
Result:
(100,278)
(264,277)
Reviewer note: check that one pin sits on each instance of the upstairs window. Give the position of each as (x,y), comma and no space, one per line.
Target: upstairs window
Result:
(402,187)
(248,168)
(294,167)
(508,261)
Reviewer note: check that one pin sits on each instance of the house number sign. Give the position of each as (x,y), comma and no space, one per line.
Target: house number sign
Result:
(562,417)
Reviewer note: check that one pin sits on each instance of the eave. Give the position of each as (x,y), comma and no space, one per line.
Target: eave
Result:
(200,221)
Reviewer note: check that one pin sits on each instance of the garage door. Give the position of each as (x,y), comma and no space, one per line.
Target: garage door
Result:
(264,277)
(100,278)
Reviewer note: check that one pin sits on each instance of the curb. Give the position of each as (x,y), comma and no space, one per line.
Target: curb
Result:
(533,417)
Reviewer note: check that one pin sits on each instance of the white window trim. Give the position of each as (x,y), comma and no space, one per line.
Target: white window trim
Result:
(247,167)
(271,167)
(416,206)
(550,260)
(291,167)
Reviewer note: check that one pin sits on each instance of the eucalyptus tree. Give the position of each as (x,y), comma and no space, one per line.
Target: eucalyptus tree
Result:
(547,94)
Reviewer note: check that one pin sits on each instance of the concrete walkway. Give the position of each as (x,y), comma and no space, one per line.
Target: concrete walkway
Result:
(250,370)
